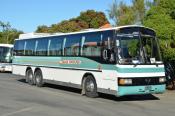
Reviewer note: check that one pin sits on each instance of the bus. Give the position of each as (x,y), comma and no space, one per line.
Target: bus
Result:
(6,57)
(121,61)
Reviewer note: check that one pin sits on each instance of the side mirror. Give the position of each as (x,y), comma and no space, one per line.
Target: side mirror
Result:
(14,53)
(106,54)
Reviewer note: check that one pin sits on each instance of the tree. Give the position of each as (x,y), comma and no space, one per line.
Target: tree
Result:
(87,19)
(93,19)
(68,26)
(123,14)
(13,34)
(156,14)
(160,17)
(139,10)
(5,28)
(8,34)
(42,29)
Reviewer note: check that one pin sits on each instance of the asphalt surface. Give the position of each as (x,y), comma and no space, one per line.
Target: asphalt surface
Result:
(20,99)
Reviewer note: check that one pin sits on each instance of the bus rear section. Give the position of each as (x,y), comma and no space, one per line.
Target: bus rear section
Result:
(6,57)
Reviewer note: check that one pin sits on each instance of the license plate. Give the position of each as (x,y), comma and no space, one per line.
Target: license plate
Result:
(148,88)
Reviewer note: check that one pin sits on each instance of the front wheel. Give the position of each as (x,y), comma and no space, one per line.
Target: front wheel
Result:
(38,78)
(90,86)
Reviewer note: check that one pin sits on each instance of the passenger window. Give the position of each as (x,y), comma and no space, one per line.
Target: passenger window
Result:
(19,48)
(92,45)
(72,46)
(30,48)
(41,49)
(55,48)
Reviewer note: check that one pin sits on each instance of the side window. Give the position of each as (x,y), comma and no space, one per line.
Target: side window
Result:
(156,50)
(107,41)
(41,49)
(55,48)
(30,48)
(72,46)
(92,45)
(19,48)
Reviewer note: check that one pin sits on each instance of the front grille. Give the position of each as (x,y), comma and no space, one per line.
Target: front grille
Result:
(141,81)
(145,81)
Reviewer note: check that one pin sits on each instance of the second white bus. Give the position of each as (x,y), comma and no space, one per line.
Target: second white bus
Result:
(6,57)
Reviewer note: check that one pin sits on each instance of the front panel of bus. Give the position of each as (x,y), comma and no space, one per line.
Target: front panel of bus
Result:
(5,58)
(140,69)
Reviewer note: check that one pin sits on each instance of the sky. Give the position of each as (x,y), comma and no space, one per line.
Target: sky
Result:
(26,15)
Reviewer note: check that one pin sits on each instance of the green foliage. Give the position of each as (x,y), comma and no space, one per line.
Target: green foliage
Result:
(42,28)
(139,10)
(93,19)
(123,14)
(162,24)
(168,49)
(8,34)
(87,19)
(148,50)
(132,47)
(161,17)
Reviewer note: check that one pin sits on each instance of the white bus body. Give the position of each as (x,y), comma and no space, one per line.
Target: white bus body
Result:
(90,60)
(6,57)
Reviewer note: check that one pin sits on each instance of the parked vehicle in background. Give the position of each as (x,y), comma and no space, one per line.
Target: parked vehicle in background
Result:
(120,61)
(170,74)
(6,57)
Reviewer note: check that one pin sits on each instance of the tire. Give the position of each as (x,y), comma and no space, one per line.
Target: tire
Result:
(29,77)
(39,78)
(90,87)
(26,77)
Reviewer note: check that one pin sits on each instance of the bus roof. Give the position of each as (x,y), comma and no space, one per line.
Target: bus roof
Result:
(6,45)
(38,35)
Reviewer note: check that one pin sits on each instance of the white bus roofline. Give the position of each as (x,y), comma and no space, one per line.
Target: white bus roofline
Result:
(39,35)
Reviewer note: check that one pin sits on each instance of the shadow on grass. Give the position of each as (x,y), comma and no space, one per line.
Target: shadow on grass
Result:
(101,95)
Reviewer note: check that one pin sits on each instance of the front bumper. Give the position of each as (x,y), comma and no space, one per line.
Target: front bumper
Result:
(4,68)
(140,90)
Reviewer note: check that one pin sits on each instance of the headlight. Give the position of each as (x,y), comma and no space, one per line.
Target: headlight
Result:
(162,80)
(125,81)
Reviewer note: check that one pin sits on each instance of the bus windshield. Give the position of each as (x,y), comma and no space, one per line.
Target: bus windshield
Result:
(5,54)
(138,49)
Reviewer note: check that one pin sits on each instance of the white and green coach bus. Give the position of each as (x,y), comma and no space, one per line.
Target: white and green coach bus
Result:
(6,57)
(121,61)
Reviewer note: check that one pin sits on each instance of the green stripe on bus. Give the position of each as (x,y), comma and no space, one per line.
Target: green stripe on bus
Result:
(139,70)
(85,63)
(134,69)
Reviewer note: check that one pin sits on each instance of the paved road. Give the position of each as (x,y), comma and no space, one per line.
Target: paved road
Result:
(20,99)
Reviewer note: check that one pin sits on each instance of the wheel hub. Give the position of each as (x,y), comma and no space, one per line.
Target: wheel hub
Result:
(37,79)
(30,76)
(90,86)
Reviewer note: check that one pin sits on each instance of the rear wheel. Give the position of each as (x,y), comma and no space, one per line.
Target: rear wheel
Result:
(90,86)
(29,77)
(38,78)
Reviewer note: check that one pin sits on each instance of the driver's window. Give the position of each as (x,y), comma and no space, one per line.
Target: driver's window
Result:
(147,48)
